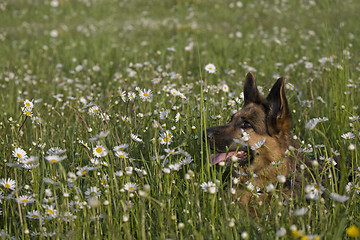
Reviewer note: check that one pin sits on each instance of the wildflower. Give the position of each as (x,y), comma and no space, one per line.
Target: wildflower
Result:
(165,138)
(19,153)
(175,167)
(353,231)
(166,170)
(9,183)
(135,138)
(270,187)
(281,178)
(25,199)
(50,211)
(145,95)
(54,33)
(94,110)
(121,154)
(28,104)
(187,160)
(92,192)
(125,119)
(120,147)
(128,204)
(354,118)
(99,151)
(224,87)
(131,96)
(281,232)
(55,151)
(338,197)
(328,160)
(258,144)
(244,235)
(348,135)
(82,171)
(290,86)
(351,147)
(55,158)
(210,68)
(300,211)
(253,189)
(314,191)
(119,173)
(130,187)
(34,214)
(209,187)
(308,65)
(313,122)
(122,95)
(174,92)
(99,136)
(105,116)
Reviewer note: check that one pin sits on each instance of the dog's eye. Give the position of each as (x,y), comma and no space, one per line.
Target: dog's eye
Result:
(245,125)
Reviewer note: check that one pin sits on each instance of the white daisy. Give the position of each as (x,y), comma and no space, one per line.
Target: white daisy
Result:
(135,138)
(8,183)
(121,154)
(348,135)
(19,153)
(130,187)
(28,104)
(209,187)
(99,151)
(121,147)
(34,214)
(25,199)
(338,197)
(55,158)
(210,68)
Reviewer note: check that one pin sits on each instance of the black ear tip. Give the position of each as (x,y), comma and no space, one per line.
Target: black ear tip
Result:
(250,76)
(281,80)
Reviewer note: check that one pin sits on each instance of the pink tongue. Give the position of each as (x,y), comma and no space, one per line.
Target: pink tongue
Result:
(219,157)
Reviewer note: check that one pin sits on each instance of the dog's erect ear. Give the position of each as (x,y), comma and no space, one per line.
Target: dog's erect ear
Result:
(279,117)
(251,93)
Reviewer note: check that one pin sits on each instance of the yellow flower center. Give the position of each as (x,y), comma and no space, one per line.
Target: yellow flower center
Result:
(34,216)
(121,155)
(166,139)
(50,211)
(83,172)
(28,104)
(28,113)
(7,185)
(146,94)
(99,150)
(19,155)
(316,187)
(131,188)
(53,160)
(25,201)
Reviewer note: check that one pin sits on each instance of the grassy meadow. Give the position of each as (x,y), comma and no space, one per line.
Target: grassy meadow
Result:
(103,104)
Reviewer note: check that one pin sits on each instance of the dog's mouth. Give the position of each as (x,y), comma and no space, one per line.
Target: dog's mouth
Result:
(242,157)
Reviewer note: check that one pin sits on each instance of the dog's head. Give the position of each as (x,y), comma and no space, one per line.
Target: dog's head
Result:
(260,131)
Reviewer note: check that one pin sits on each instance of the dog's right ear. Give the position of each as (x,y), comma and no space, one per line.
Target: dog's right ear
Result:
(251,93)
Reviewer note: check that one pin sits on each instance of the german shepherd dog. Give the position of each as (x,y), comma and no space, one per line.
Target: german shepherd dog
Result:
(257,137)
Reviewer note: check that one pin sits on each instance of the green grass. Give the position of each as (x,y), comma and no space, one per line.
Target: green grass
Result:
(130,42)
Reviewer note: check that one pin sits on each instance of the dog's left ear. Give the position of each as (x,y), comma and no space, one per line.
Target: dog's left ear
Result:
(279,117)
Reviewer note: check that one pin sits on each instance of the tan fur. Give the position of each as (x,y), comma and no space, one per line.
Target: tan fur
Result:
(270,119)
